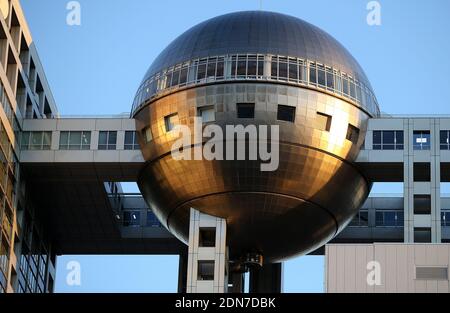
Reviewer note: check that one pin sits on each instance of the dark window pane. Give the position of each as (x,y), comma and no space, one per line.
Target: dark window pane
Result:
(274,70)
(283,70)
(388,137)
(242,66)
(321,76)
(211,69)
(246,110)
(103,138)
(352,133)
(330,80)
(312,75)
(112,139)
(251,71)
(219,69)
(399,137)
(286,113)
(201,72)
(293,71)
(183,76)
(377,137)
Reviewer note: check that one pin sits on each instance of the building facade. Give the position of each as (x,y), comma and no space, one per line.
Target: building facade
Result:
(82,161)
(26,256)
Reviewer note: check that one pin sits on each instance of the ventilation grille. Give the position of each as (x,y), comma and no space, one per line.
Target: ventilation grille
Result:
(431,273)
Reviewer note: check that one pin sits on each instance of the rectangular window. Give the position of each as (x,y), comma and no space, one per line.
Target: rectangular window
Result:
(293,70)
(131,141)
(312,74)
(208,114)
(205,270)
(148,134)
(75,140)
(283,69)
(286,113)
(36,140)
(352,134)
(245,110)
(422,140)
(422,204)
(131,218)
(171,121)
(107,140)
(445,218)
(207,237)
(242,66)
(389,218)
(360,220)
(422,235)
(323,122)
(388,140)
(321,75)
(422,172)
(445,140)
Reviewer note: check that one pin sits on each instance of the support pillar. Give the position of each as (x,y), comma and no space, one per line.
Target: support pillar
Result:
(267,279)
(182,271)
(207,254)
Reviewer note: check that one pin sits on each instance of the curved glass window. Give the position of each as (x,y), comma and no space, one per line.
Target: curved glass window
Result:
(289,70)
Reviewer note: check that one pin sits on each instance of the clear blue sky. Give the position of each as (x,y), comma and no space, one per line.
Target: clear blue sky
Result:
(96,68)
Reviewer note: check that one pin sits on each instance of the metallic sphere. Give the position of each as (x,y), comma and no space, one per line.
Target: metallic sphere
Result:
(257,68)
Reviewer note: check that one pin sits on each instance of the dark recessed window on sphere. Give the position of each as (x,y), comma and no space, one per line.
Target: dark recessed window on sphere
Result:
(286,113)
(246,110)
(352,133)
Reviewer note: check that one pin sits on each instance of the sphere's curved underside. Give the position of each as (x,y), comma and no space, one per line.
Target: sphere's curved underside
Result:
(258,32)
(315,191)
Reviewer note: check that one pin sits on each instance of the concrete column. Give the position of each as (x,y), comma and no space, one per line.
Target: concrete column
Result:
(436,235)
(238,282)
(182,271)
(207,258)
(267,279)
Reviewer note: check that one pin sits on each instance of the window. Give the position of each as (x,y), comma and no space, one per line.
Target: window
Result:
(208,114)
(432,273)
(152,220)
(205,270)
(360,220)
(422,140)
(389,218)
(286,113)
(422,235)
(75,140)
(148,134)
(171,121)
(323,122)
(246,110)
(131,218)
(422,204)
(422,172)
(388,140)
(131,141)
(445,140)
(107,140)
(352,133)
(36,140)
(207,237)
(445,218)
